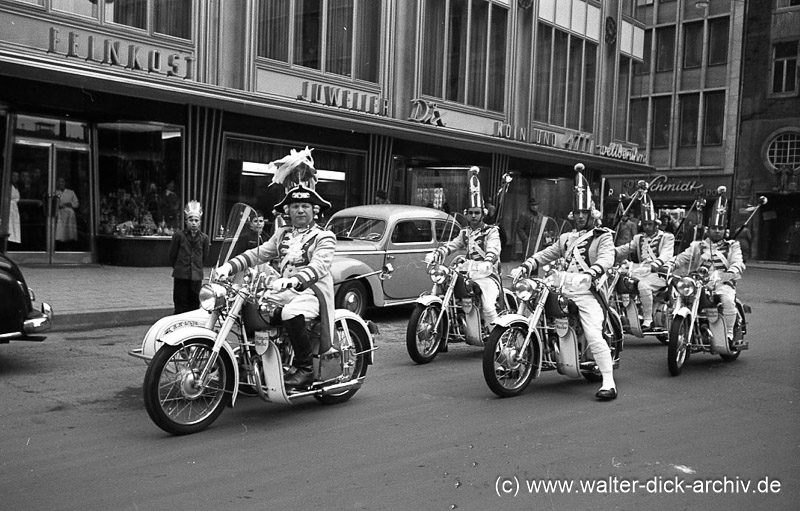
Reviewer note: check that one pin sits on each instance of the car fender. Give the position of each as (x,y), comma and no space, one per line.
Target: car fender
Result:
(344,268)
(185,333)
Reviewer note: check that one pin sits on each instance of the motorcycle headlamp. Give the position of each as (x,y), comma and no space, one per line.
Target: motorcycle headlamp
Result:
(686,286)
(212,296)
(563,304)
(524,289)
(438,274)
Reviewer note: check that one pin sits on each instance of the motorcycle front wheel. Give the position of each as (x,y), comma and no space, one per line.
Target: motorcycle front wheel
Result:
(422,341)
(360,345)
(175,399)
(506,369)
(678,348)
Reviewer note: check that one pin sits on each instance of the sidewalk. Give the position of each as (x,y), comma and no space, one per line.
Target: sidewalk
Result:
(95,296)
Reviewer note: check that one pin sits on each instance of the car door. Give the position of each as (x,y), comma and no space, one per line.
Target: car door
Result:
(409,241)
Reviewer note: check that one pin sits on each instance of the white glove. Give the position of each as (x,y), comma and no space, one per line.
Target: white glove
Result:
(484,267)
(430,257)
(224,271)
(284,283)
(518,272)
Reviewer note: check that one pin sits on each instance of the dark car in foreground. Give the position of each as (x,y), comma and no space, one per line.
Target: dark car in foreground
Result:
(19,321)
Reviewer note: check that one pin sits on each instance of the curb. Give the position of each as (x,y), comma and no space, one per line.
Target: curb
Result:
(82,321)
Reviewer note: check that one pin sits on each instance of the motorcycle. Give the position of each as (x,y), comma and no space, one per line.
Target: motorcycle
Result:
(697,324)
(242,348)
(545,334)
(625,299)
(450,312)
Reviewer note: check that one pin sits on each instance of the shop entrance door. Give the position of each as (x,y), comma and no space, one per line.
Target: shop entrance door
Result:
(54,185)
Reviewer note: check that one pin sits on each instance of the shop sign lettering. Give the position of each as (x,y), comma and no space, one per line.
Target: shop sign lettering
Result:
(662,184)
(339,97)
(620,152)
(425,112)
(571,140)
(116,53)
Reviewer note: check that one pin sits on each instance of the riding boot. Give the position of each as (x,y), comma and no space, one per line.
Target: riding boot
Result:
(608,390)
(730,321)
(304,375)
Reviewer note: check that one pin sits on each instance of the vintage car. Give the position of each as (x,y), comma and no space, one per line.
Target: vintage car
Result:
(371,237)
(18,319)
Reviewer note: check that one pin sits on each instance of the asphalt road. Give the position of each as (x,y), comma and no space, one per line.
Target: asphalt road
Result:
(74,433)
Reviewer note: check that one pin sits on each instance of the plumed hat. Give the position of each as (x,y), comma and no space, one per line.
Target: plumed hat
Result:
(648,208)
(583,191)
(475,195)
(719,215)
(302,194)
(193,208)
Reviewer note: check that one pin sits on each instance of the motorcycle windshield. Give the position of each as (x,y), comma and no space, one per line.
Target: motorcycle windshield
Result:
(547,234)
(236,232)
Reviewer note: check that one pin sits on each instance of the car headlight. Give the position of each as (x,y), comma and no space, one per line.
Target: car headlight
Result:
(686,286)
(438,274)
(212,297)
(524,289)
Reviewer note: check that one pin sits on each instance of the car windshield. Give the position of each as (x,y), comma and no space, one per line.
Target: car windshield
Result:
(357,227)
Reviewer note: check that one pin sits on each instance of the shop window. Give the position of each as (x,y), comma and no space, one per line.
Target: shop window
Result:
(544,56)
(689,105)
(718,41)
(247,177)
(173,17)
(662,112)
(665,49)
(464,52)
(132,13)
(351,31)
(139,178)
(693,45)
(714,118)
(784,68)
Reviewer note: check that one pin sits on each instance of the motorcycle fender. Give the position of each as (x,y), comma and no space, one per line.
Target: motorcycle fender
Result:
(426,300)
(719,340)
(151,341)
(569,363)
(683,312)
(473,327)
(632,313)
(185,333)
(272,367)
(506,320)
(346,315)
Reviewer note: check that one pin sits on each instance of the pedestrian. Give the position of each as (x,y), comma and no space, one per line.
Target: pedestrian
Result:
(529,226)
(793,239)
(381,197)
(187,252)
(628,228)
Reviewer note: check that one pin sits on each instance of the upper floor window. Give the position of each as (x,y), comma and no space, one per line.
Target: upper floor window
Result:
(565,78)
(787,3)
(342,37)
(662,124)
(714,119)
(693,45)
(688,121)
(167,17)
(784,68)
(718,41)
(665,48)
(464,52)
(643,67)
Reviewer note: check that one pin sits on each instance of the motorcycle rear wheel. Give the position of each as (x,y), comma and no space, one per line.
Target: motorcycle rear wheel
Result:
(506,371)
(678,350)
(360,345)
(172,398)
(422,342)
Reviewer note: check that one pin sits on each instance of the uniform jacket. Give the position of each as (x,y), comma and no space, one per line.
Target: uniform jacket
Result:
(596,250)
(481,244)
(305,255)
(187,254)
(662,245)
(705,253)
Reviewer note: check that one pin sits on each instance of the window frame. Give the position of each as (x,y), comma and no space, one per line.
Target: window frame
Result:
(786,64)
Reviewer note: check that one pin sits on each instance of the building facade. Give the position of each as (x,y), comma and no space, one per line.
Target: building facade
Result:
(115,113)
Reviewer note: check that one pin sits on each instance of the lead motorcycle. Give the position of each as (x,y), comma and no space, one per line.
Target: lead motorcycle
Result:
(451,311)
(242,348)
(545,334)
(697,323)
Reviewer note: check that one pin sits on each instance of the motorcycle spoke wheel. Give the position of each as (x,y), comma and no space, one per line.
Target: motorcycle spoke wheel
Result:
(175,399)
(422,340)
(678,348)
(359,370)
(506,369)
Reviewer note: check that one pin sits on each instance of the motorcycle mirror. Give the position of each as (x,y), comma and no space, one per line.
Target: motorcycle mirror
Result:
(762,200)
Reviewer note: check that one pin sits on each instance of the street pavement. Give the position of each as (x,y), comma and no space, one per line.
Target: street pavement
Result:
(97,296)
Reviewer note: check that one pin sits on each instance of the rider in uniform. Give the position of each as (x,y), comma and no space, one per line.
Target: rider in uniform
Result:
(716,253)
(303,253)
(654,247)
(587,250)
(482,243)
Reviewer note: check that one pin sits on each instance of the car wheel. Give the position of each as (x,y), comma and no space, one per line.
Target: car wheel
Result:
(353,297)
